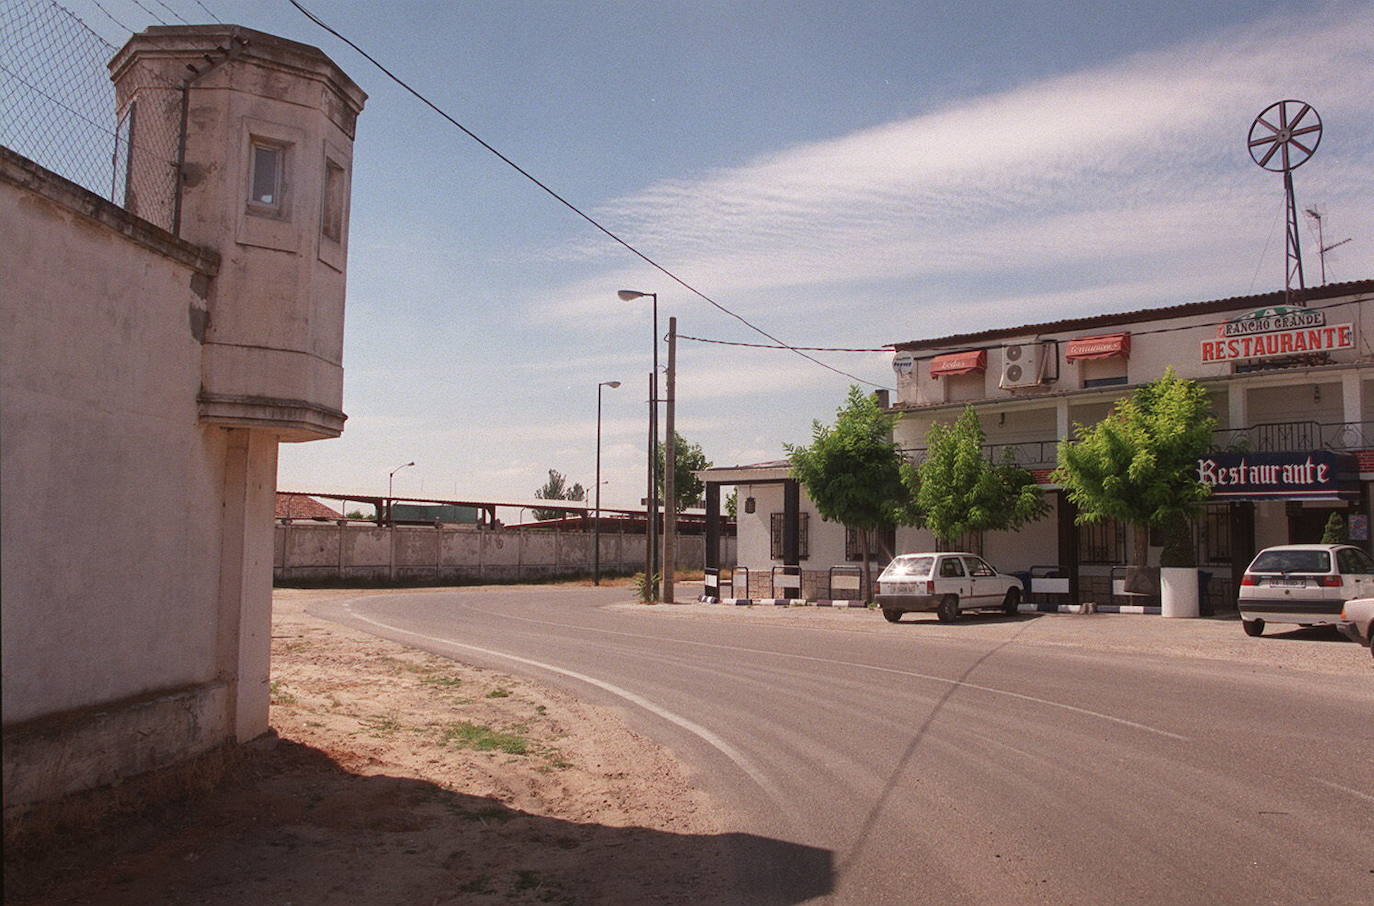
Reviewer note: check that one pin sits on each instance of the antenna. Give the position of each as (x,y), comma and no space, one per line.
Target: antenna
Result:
(1282,138)
(1322,247)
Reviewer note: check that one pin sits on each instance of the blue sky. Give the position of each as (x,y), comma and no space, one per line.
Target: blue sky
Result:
(842,174)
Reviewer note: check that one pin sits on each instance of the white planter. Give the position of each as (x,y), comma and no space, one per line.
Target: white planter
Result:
(1178,591)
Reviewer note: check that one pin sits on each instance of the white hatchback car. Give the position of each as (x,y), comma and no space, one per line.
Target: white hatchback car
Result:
(1303,583)
(948,583)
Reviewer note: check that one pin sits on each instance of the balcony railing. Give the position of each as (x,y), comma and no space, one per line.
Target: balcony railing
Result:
(1268,437)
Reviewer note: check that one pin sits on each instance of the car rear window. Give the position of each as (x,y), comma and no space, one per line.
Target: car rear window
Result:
(909,566)
(1292,562)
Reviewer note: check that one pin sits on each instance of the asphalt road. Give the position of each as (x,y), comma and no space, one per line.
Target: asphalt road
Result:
(995,760)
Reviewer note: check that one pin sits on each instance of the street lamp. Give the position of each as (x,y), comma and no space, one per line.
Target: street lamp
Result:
(390,480)
(596,521)
(651,499)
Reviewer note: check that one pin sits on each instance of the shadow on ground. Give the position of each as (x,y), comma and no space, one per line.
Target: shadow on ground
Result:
(296,827)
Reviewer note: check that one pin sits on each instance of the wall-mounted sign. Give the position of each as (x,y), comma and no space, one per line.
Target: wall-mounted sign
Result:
(1315,475)
(1267,320)
(903,363)
(1296,341)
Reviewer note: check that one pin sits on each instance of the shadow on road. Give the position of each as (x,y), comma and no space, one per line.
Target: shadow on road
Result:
(295,826)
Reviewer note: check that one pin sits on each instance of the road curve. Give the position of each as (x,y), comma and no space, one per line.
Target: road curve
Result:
(907,766)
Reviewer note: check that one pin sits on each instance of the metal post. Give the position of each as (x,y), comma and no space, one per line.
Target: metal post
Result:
(656,564)
(670,471)
(649,494)
(596,520)
(1293,256)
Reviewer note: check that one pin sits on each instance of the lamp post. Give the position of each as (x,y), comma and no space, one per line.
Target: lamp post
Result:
(651,506)
(596,521)
(390,481)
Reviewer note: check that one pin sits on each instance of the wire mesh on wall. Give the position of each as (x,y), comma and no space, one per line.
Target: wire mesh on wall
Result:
(58,108)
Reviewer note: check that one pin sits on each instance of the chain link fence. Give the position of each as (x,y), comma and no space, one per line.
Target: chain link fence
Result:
(58,108)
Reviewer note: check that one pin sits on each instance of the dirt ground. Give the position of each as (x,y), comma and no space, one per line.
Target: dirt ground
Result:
(396,776)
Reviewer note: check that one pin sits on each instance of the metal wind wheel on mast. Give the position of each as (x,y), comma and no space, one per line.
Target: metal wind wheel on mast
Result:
(1282,138)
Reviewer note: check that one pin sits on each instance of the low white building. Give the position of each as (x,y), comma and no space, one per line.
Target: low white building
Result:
(1293,388)
(152,357)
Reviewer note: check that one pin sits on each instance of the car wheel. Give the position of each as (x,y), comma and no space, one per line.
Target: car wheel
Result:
(1252,627)
(948,610)
(892,616)
(1011,602)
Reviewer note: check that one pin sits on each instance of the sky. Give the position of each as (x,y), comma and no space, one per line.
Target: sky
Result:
(840,174)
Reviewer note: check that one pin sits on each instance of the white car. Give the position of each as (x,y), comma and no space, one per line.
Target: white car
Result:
(1357,621)
(1302,583)
(948,583)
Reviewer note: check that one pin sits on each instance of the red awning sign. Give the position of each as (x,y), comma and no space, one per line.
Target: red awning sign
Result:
(975,360)
(1108,346)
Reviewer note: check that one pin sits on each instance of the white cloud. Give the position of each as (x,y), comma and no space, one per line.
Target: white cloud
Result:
(1139,164)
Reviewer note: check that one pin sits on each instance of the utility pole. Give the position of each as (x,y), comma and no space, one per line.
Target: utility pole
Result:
(670,469)
(650,511)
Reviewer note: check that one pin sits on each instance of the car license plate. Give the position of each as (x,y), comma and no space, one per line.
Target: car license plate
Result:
(1288,583)
(899,588)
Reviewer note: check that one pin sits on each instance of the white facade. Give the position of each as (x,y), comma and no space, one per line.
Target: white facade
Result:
(1284,386)
(147,380)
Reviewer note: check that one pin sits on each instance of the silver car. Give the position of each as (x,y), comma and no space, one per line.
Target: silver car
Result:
(1302,583)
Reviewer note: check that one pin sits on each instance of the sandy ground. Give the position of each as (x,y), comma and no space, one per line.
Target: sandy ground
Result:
(401,777)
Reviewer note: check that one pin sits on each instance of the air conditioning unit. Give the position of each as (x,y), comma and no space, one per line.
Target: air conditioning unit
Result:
(1024,365)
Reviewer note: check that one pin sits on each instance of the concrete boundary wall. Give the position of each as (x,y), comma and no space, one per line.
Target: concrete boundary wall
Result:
(331,553)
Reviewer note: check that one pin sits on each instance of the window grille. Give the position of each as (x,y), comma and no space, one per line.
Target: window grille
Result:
(775,525)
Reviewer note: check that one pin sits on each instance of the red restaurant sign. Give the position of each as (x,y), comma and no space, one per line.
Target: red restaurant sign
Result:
(1298,341)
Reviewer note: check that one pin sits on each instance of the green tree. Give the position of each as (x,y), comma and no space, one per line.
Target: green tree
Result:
(853,472)
(1139,464)
(1334,531)
(687,488)
(732,505)
(958,489)
(557,488)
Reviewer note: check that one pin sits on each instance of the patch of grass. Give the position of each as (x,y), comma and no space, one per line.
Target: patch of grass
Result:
(527,880)
(279,695)
(399,666)
(499,693)
(381,725)
(444,681)
(540,710)
(467,735)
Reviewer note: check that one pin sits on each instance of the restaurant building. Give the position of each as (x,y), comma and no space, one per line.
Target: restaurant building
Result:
(1291,386)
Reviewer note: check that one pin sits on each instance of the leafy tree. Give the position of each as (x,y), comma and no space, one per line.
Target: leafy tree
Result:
(1139,464)
(732,505)
(1334,531)
(687,488)
(958,490)
(557,488)
(853,472)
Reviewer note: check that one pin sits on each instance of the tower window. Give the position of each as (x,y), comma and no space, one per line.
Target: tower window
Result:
(331,217)
(267,179)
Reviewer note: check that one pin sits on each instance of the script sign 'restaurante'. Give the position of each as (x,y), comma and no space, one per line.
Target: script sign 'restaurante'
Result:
(1314,475)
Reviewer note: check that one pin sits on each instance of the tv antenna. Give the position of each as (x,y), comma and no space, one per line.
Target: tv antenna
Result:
(1282,138)
(1322,247)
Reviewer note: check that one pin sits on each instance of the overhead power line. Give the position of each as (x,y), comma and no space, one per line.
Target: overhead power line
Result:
(569,205)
